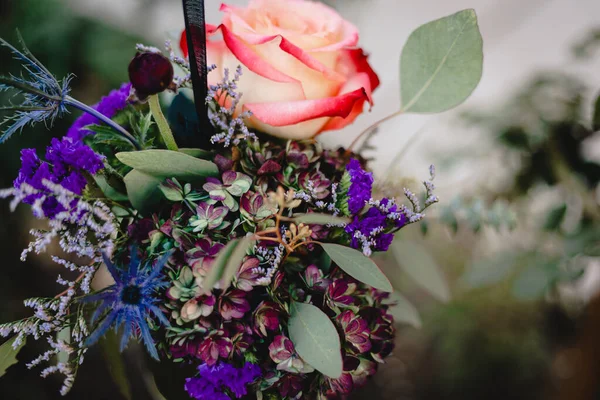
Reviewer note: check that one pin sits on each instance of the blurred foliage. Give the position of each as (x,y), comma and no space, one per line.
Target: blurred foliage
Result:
(487,349)
(547,127)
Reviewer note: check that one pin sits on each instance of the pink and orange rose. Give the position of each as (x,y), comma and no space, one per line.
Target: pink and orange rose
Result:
(302,70)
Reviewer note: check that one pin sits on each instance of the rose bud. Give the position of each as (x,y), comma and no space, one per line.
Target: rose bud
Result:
(150,73)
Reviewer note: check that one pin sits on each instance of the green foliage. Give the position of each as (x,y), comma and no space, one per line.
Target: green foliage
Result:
(358,266)
(143,190)
(530,274)
(320,219)
(534,280)
(403,311)
(490,271)
(596,117)
(422,268)
(197,153)
(168,164)
(315,338)
(227,263)
(477,215)
(8,355)
(555,218)
(161,122)
(441,63)
(515,137)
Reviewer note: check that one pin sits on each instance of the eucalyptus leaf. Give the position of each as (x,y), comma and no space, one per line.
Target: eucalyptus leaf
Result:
(358,266)
(315,338)
(416,261)
(198,153)
(8,355)
(168,164)
(235,260)
(320,219)
(221,262)
(404,311)
(143,190)
(108,190)
(441,63)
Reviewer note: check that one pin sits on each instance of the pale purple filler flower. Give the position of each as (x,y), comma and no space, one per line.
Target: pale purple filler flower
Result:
(115,101)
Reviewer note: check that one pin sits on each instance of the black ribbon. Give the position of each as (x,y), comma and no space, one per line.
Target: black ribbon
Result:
(196,40)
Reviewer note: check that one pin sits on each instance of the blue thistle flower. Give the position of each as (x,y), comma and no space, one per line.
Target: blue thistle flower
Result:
(131,301)
(44,97)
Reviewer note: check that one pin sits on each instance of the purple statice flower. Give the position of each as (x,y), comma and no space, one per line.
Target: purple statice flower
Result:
(371,231)
(361,185)
(131,301)
(109,105)
(67,162)
(367,232)
(214,381)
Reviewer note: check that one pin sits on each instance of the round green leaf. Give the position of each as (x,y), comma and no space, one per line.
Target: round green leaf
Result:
(416,261)
(168,164)
(441,63)
(315,338)
(358,266)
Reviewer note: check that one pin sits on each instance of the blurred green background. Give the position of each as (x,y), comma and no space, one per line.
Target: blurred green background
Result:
(488,307)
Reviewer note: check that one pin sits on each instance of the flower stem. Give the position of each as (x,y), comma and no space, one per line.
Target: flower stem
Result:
(84,107)
(370,128)
(161,121)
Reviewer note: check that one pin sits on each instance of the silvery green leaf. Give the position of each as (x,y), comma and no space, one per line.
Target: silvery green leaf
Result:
(420,265)
(168,164)
(441,63)
(316,339)
(358,266)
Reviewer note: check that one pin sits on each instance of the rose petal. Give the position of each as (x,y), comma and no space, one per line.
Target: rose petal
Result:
(361,80)
(293,112)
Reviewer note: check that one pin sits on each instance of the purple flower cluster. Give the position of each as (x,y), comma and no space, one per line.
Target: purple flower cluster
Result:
(116,100)
(215,380)
(67,160)
(361,186)
(371,230)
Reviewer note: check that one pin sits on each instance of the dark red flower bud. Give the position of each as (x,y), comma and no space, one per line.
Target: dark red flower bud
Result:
(150,73)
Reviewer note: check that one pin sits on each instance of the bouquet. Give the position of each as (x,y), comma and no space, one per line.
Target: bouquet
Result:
(222,235)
